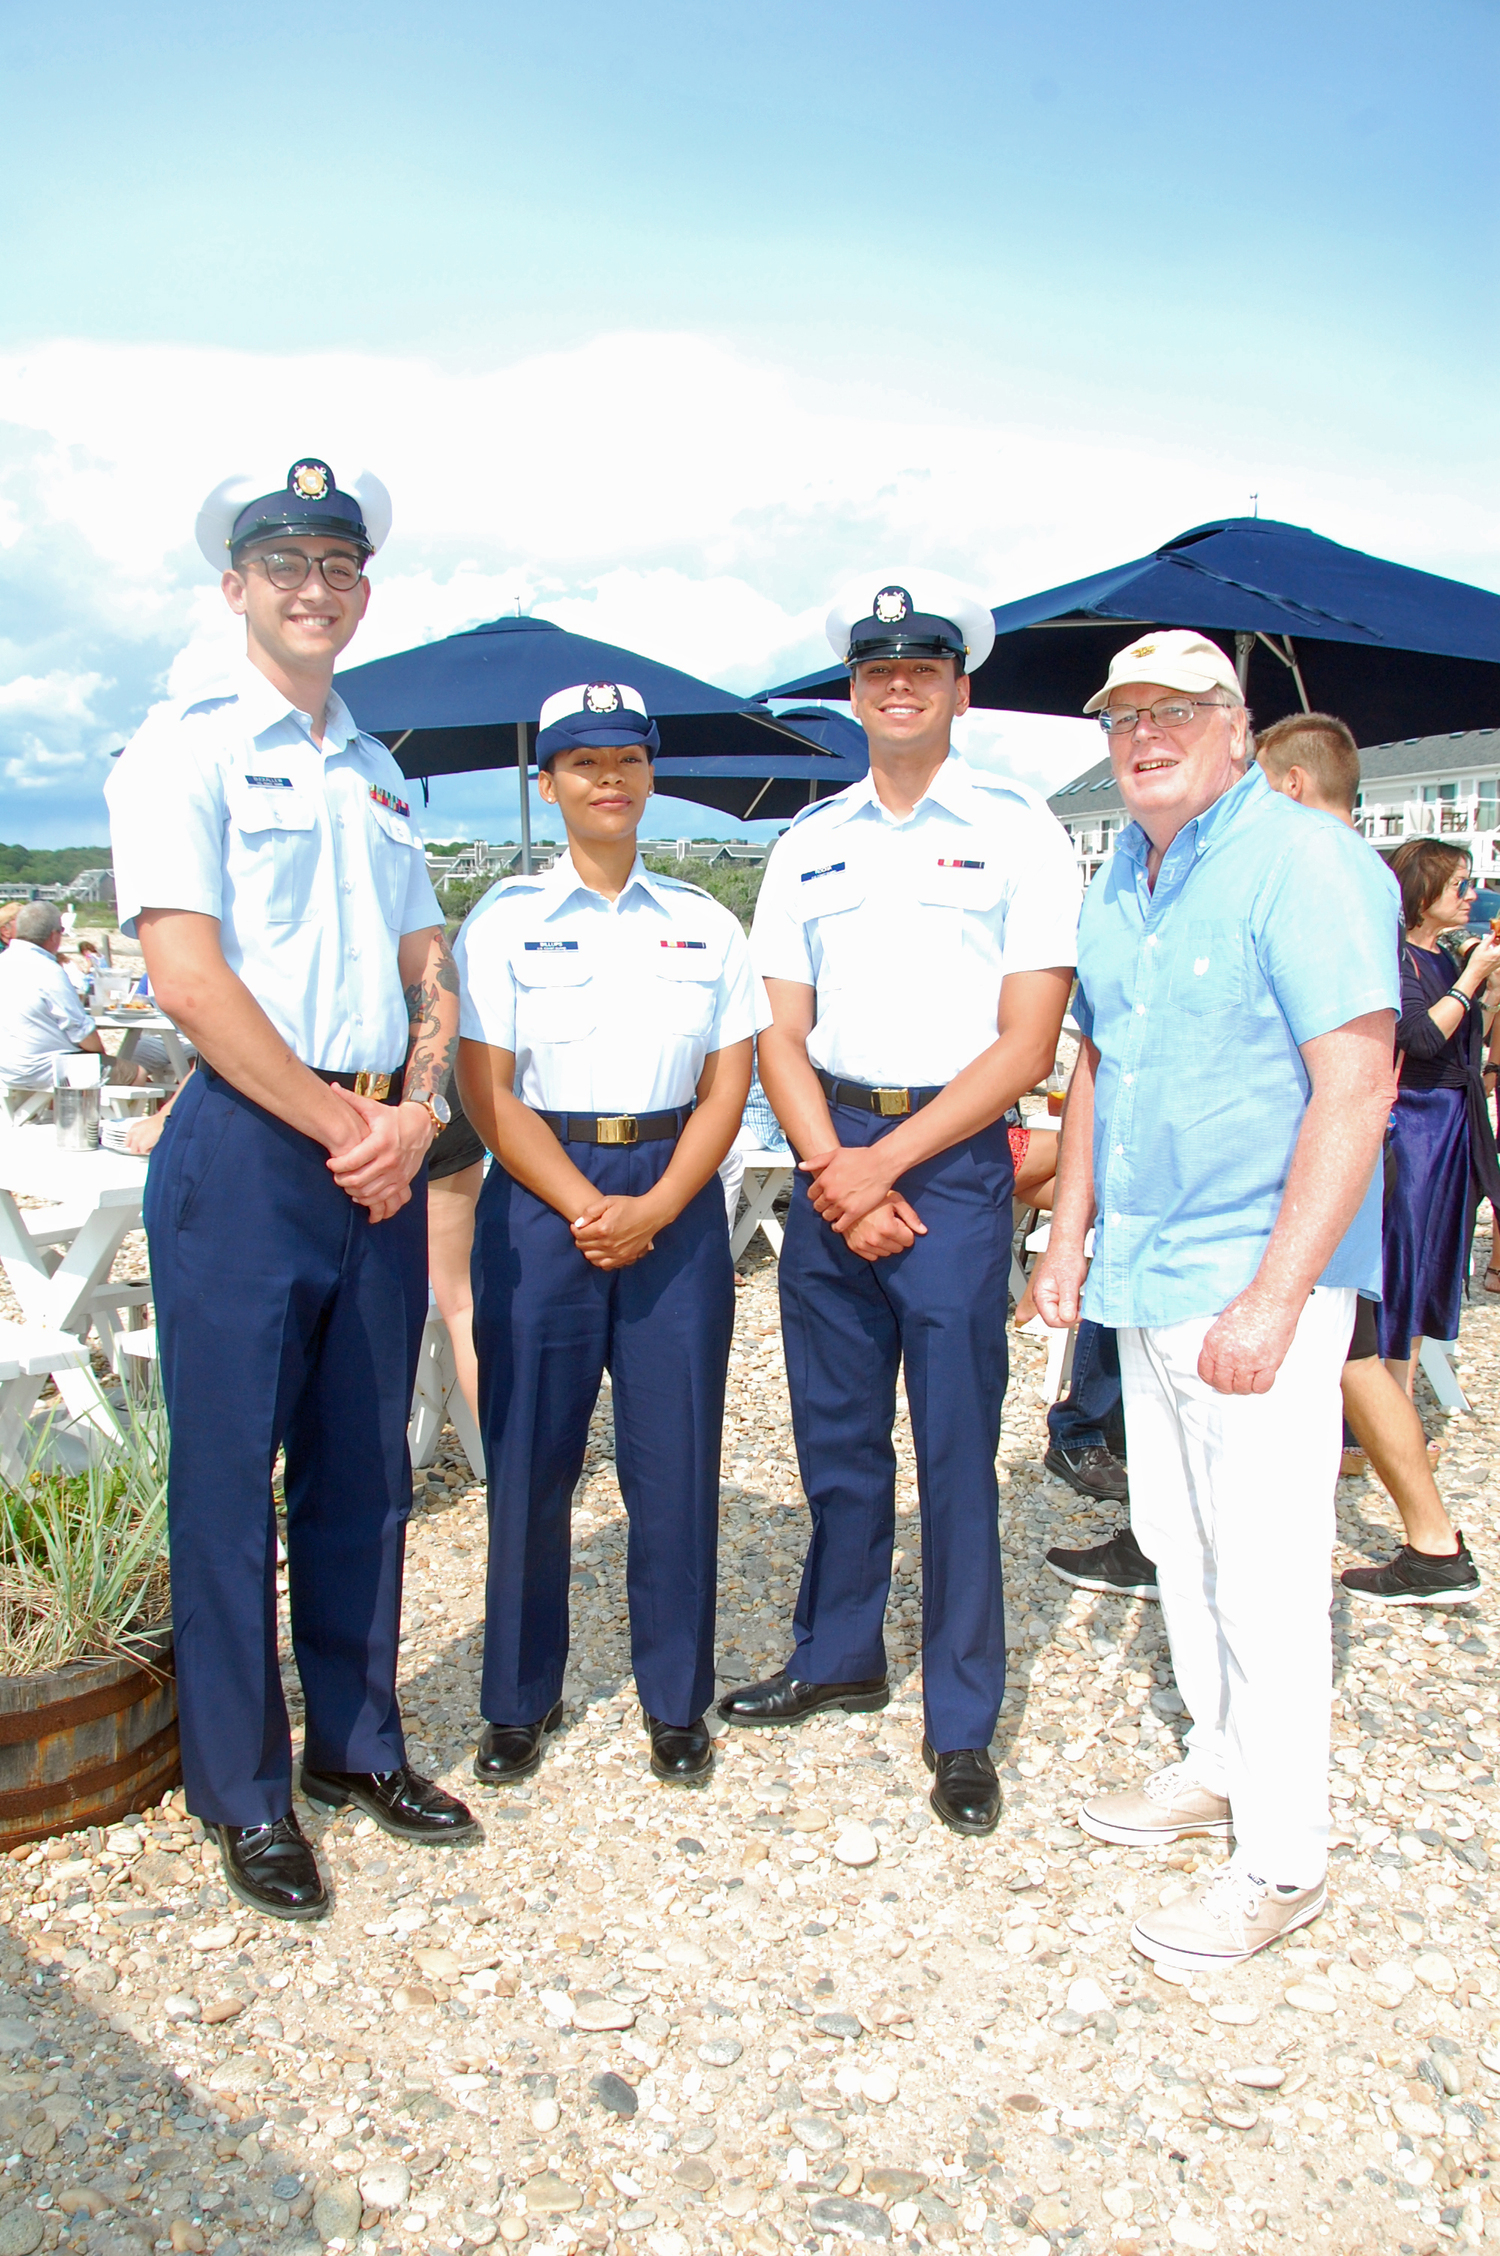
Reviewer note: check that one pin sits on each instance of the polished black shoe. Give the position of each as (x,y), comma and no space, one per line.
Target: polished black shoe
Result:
(682,1753)
(272,1868)
(410,1807)
(511,1751)
(966,1792)
(1095,1473)
(781,1699)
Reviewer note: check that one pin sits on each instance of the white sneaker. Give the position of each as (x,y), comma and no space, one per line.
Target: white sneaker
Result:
(1230,1920)
(1169,1805)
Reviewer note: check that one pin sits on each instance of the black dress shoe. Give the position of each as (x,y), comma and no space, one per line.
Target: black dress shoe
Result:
(781,1699)
(1096,1473)
(272,1868)
(410,1807)
(511,1751)
(966,1792)
(682,1753)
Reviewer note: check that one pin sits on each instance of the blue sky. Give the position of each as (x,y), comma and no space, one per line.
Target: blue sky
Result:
(663,320)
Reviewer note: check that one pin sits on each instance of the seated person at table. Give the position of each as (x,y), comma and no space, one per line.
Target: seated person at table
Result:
(41,1014)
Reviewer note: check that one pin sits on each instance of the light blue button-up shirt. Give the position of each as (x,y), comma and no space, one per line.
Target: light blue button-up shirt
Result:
(1267,927)
(306,854)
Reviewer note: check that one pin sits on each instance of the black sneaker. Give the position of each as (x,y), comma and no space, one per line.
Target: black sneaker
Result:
(1416,1578)
(1119,1565)
(1094,1473)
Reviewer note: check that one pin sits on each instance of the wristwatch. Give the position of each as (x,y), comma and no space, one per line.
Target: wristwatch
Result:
(431,1101)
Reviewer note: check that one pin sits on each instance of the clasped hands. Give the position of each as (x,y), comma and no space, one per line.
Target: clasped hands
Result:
(611,1233)
(377,1169)
(852,1190)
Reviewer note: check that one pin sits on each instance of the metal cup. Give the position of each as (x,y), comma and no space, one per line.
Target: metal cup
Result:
(77,1115)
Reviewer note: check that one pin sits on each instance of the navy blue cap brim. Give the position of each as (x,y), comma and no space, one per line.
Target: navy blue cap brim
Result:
(918,635)
(624,727)
(275,514)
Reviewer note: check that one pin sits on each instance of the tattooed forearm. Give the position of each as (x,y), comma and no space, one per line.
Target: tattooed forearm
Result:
(432,1008)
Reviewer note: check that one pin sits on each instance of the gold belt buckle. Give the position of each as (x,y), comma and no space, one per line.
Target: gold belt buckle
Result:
(375,1086)
(621,1130)
(892,1103)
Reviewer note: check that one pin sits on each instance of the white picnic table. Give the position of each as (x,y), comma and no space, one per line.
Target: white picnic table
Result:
(153,1021)
(767,1175)
(58,1258)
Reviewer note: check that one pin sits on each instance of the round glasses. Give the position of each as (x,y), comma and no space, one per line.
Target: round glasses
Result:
(1166,713)
(288,567)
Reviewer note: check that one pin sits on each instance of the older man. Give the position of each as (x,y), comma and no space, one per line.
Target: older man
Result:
(42,1017)
(1225,1124)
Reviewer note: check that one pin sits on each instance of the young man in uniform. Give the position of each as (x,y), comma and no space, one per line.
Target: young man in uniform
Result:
(265,856)
(608,1018)
(916,937)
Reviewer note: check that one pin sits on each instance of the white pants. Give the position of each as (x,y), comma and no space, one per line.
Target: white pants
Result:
(1232,1496)
(732,1176)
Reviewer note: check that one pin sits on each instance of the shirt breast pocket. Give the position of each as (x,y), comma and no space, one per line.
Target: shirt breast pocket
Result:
(1208,970)
(828,902)
(687,983)
(392,844)
(554,996)
(973,885)
(274,851)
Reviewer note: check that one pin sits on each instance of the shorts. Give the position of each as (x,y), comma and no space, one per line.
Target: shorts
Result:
(1363,1340)
(1020,1144)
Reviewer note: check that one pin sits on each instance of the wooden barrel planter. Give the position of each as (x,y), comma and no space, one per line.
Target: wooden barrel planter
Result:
(87,1743)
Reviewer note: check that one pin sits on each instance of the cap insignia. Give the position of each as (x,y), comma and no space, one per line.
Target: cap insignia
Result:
(601,697)
(892,605)
(1144,650)
(310,481)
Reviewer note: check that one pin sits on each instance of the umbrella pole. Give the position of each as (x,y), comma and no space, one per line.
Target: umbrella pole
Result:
(523,777)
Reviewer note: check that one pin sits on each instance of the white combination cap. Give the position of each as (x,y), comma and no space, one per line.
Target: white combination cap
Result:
(309,500)
(600,712)
(1176,658)
(911,614)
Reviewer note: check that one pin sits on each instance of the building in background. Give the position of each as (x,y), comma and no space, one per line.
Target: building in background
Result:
(1424,787)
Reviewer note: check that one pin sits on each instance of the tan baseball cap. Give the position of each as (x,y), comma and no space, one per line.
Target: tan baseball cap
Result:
(1175,657)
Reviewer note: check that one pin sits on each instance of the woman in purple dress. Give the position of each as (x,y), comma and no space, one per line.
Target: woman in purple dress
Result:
(1442,1142)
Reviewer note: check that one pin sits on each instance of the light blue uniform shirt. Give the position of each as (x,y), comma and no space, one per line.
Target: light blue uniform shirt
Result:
(308,858)
(1267,927)
(606,1007)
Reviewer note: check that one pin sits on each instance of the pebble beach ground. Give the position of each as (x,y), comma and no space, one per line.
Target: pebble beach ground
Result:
(789,2008)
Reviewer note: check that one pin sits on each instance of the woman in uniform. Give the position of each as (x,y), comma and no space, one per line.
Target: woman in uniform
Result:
(608,1017)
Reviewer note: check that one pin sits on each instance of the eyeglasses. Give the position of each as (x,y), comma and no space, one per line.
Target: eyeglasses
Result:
(1166,713)
(288,567)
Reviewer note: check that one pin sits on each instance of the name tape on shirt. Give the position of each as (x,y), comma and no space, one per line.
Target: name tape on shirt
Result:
(548,947)
(945,863)
(830,869)
(270,783)
(388,800)
(682,943)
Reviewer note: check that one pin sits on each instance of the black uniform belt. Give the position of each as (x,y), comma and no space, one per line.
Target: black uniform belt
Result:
(380,1088)
(891,1104)
(617,1127)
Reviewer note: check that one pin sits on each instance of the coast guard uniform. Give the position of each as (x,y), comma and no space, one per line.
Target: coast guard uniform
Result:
(284,1316)
(905,927)
(610,1009)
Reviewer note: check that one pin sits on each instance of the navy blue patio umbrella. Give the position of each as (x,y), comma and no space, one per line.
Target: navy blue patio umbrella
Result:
(471,701)
(1313,627)
(774,785)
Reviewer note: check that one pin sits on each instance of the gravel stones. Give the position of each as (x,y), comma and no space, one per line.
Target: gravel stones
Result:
(384,2185)
(16,2036)
(893,2185)
(613,2093)
(593,2012)
(837,2025)
(856,1845)
(336,2213)
(20,2233)
(816,2134)
(549,2195)
(720,2052)
(853,2220)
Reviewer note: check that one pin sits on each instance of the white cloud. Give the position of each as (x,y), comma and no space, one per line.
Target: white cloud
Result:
(656,490)
(51,697)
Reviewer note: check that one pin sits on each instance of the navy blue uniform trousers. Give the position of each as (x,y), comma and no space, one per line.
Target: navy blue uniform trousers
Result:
(283,1316)
(848,1324)
(546,1327)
